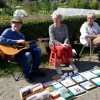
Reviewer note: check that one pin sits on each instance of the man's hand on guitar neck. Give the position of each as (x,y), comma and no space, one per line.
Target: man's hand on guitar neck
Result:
(21,42)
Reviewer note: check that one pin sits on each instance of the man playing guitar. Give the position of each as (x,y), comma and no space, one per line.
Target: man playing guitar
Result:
(12,36)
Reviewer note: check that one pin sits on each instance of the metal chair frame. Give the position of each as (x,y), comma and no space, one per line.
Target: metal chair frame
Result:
(8,69)
(9,62)
(91,47)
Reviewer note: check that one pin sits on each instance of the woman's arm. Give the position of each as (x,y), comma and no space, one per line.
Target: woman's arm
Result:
(52,37)
(66,35)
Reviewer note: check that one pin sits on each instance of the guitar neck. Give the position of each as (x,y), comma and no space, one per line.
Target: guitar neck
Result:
(38,40)
(33,41)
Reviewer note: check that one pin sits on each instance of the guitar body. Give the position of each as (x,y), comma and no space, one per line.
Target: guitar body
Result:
(15,49)
(12,49)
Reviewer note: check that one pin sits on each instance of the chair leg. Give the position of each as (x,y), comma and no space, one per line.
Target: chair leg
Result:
(90,51)
(16,78)
(53,59)
(81,50)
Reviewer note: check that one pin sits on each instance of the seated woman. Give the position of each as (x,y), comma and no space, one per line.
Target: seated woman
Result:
(90,30)
(59,42)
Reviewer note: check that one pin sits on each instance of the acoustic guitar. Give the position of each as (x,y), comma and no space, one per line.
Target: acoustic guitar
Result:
(15,49)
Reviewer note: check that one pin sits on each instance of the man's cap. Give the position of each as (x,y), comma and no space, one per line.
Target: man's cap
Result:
(16,19)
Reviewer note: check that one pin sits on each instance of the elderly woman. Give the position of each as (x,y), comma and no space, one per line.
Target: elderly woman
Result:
(90,30)
(59,42)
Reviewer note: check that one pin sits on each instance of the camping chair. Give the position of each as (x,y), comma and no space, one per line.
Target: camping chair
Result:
(87,43)
(9,62)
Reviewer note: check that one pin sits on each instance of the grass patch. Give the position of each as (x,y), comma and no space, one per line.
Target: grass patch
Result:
(45,60)
(4,65)
(78,48)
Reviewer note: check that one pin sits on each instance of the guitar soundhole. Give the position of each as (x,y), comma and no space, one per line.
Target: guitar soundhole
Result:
(20,46)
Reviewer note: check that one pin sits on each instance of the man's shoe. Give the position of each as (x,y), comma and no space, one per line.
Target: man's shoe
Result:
(29,79)
(39,74)
(59,71)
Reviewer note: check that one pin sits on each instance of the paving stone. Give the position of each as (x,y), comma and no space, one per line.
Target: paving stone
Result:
(1,80)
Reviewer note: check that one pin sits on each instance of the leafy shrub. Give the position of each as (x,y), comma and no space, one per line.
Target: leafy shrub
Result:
(37,27)
(86,4)
(94,5)
(7,11)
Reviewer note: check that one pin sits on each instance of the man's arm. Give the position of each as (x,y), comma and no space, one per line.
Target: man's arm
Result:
(4,38)
(7,38)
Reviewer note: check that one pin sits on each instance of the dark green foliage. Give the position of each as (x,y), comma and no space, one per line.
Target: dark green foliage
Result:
(74,24)
(94,5)
(7,11)
(37,27)
(45,6)
(85,4)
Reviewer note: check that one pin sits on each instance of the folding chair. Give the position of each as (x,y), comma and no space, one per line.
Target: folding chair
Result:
(91,48)
(9,62)
(53,59)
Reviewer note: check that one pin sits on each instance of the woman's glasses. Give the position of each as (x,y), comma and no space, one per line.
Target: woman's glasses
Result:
(91,18)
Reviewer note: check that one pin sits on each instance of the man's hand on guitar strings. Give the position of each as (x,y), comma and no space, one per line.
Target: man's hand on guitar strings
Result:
(21,42)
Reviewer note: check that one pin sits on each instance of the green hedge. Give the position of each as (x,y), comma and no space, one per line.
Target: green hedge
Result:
(37,27)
